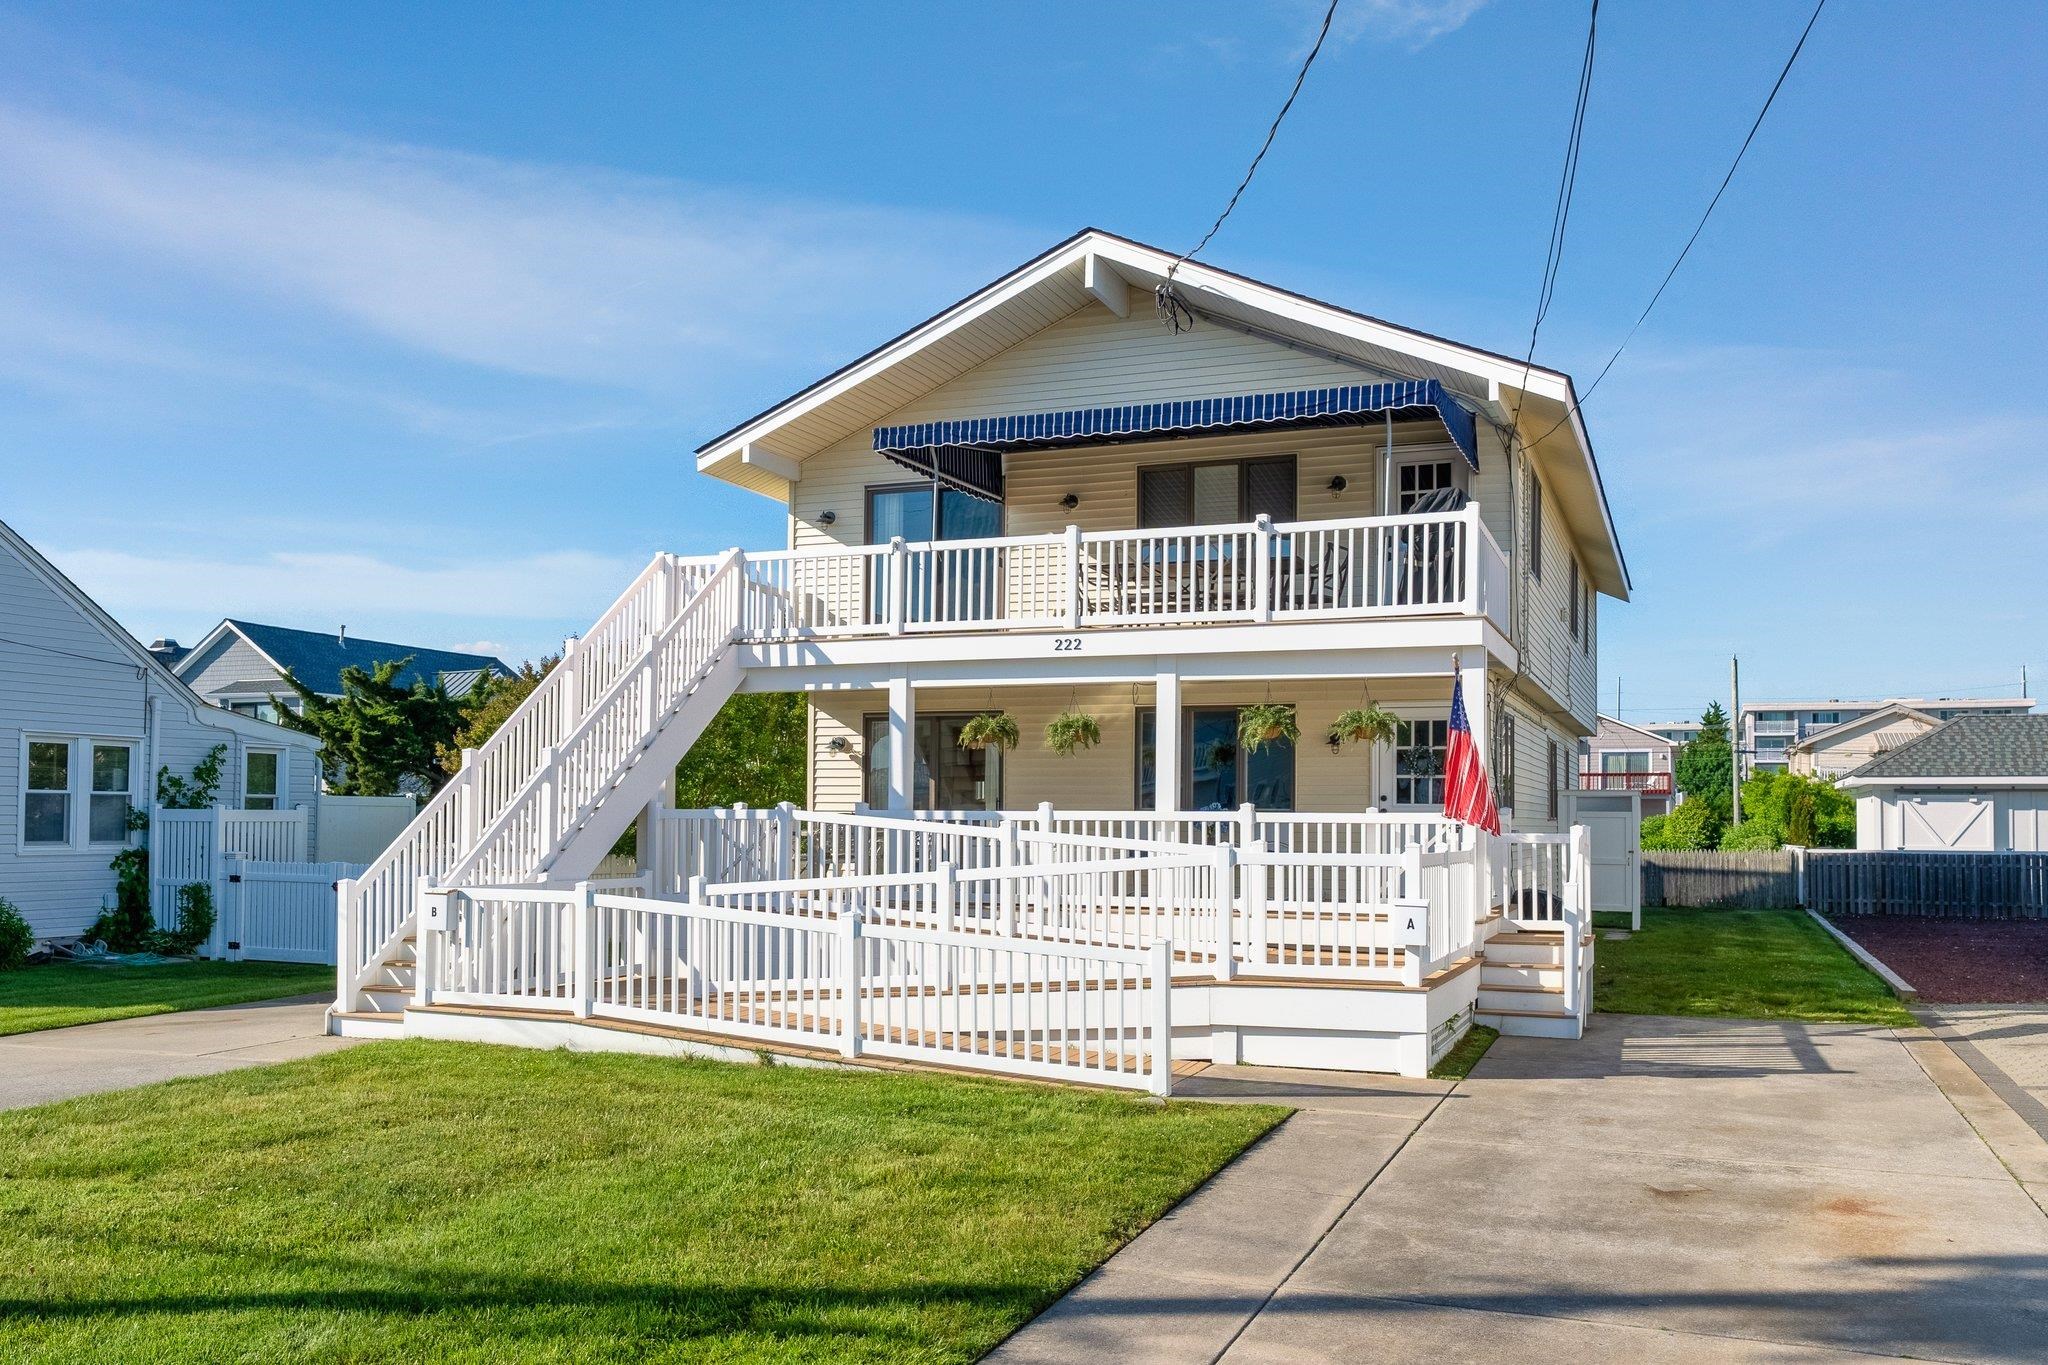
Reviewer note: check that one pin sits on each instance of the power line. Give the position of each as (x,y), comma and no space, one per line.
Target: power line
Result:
(89,658)
(1560,214)
(1171,309)
(1699,227)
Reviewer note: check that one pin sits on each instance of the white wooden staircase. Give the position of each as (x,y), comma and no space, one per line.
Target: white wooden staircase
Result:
(560,781)
(1522,982)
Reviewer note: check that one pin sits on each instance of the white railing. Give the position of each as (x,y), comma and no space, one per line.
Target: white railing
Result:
(621,721)
(833,980)
(375,908)
(1444,563)
(1545,881)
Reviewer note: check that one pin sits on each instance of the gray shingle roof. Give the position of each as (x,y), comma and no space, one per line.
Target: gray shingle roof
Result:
(1966,747)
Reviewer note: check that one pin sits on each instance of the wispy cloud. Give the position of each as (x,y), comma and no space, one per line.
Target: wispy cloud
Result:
(301,587)
(1412,23)
(564,273)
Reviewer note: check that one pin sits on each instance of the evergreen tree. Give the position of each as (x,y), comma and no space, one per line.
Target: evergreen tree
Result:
(379,739)
(1706,766)
(489,705)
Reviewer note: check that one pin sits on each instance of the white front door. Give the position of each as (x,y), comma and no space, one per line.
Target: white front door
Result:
(1614,820)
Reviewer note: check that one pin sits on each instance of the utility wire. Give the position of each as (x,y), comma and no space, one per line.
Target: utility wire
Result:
(1171,310)
(1560,215)
(1698,228)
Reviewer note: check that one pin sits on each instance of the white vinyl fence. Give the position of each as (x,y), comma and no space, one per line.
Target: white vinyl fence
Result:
(187,846)
(276,912)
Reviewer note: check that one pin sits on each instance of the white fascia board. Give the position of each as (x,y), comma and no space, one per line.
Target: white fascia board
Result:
(770,462)
(1248,293)
(211,638)
(1110,289)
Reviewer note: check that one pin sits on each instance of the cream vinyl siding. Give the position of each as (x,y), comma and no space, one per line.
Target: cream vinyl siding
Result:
(1105,777)
(1093,357)
(1088,359)
(1853,750)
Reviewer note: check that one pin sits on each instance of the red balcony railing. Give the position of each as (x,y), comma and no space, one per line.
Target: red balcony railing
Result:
(1649,784)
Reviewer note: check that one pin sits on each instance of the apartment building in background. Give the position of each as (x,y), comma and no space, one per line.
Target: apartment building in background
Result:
(1767,730)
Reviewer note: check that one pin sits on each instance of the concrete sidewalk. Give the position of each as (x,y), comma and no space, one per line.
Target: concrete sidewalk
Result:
(1663,1189)
(55,1064)
(2005,1044)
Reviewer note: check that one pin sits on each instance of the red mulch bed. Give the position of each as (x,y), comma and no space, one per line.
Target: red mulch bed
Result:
(1958,961)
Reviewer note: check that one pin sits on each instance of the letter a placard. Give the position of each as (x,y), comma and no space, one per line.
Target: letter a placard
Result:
(1411,924)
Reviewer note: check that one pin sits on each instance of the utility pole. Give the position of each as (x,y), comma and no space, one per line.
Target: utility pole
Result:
(1617,696)
(1735,737)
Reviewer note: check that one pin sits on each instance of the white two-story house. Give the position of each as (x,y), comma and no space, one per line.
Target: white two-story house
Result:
(1167,526)
(1047,501)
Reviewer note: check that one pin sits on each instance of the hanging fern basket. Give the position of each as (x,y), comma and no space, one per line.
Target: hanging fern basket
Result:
(1365,725)
(1071,731)
(1268,723)
(990,730)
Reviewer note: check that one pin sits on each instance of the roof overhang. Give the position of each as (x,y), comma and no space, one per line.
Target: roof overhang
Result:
(1095,268)
(1946,783)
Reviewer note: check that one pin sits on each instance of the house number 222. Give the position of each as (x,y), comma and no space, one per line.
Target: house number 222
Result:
(1066,644)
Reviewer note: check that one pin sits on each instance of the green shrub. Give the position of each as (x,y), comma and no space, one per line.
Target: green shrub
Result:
(1694,825)
(16,938)
(1751,836)
(195,923)
(1653,831)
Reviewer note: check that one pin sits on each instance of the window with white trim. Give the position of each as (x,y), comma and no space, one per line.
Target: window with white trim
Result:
(262,779)
(113,778)
(1535,527)
(46,800)
(78,791)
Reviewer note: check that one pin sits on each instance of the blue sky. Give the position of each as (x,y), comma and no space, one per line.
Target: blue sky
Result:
(411,320)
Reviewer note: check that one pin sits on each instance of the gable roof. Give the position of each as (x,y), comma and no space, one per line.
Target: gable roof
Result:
(1651,736)
(1878,719)
(205,712)
(764,452)
(316,658)
(2001,750)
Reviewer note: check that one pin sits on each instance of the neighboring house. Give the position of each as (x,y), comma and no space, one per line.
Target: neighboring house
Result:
(1975,783)
(1678,732)
(1839,749)
(1618,756)
(240,665)
(1767,730)
(87,717)
(1044,500)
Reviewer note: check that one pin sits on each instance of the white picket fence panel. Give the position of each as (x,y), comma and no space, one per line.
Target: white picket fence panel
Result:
(276,911)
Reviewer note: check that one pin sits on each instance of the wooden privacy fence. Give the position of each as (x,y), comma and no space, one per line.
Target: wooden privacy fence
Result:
(1929,885)
(1712,879)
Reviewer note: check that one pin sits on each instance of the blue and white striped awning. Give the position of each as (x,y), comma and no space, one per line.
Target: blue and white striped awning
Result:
(966,453)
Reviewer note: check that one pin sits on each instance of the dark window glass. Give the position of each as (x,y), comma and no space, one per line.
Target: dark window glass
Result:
(1420,748)
(947,777)
(1218,774)
(1420,477)
(1226,492)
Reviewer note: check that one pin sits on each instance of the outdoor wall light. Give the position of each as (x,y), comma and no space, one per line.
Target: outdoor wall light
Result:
(827,518)
(1339,484)
(1071,501)
(839,744)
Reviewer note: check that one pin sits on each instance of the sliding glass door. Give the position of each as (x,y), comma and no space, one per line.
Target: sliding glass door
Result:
(956,586)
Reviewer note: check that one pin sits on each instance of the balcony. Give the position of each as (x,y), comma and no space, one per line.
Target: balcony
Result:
(1649,784)
(1775,727)
(1365,568)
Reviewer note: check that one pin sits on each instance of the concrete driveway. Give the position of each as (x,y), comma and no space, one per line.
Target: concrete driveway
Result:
(2007,1045)
(55,1064)
(1664,1190)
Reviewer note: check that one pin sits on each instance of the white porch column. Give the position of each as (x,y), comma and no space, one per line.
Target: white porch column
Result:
(1478,714)
(902,743)
(1166,731)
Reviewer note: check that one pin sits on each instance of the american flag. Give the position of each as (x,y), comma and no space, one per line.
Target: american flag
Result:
(1468,796)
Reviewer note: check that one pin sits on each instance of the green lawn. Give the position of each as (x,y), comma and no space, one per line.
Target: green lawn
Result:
(1739,964)
(58,994)
(445,1201)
